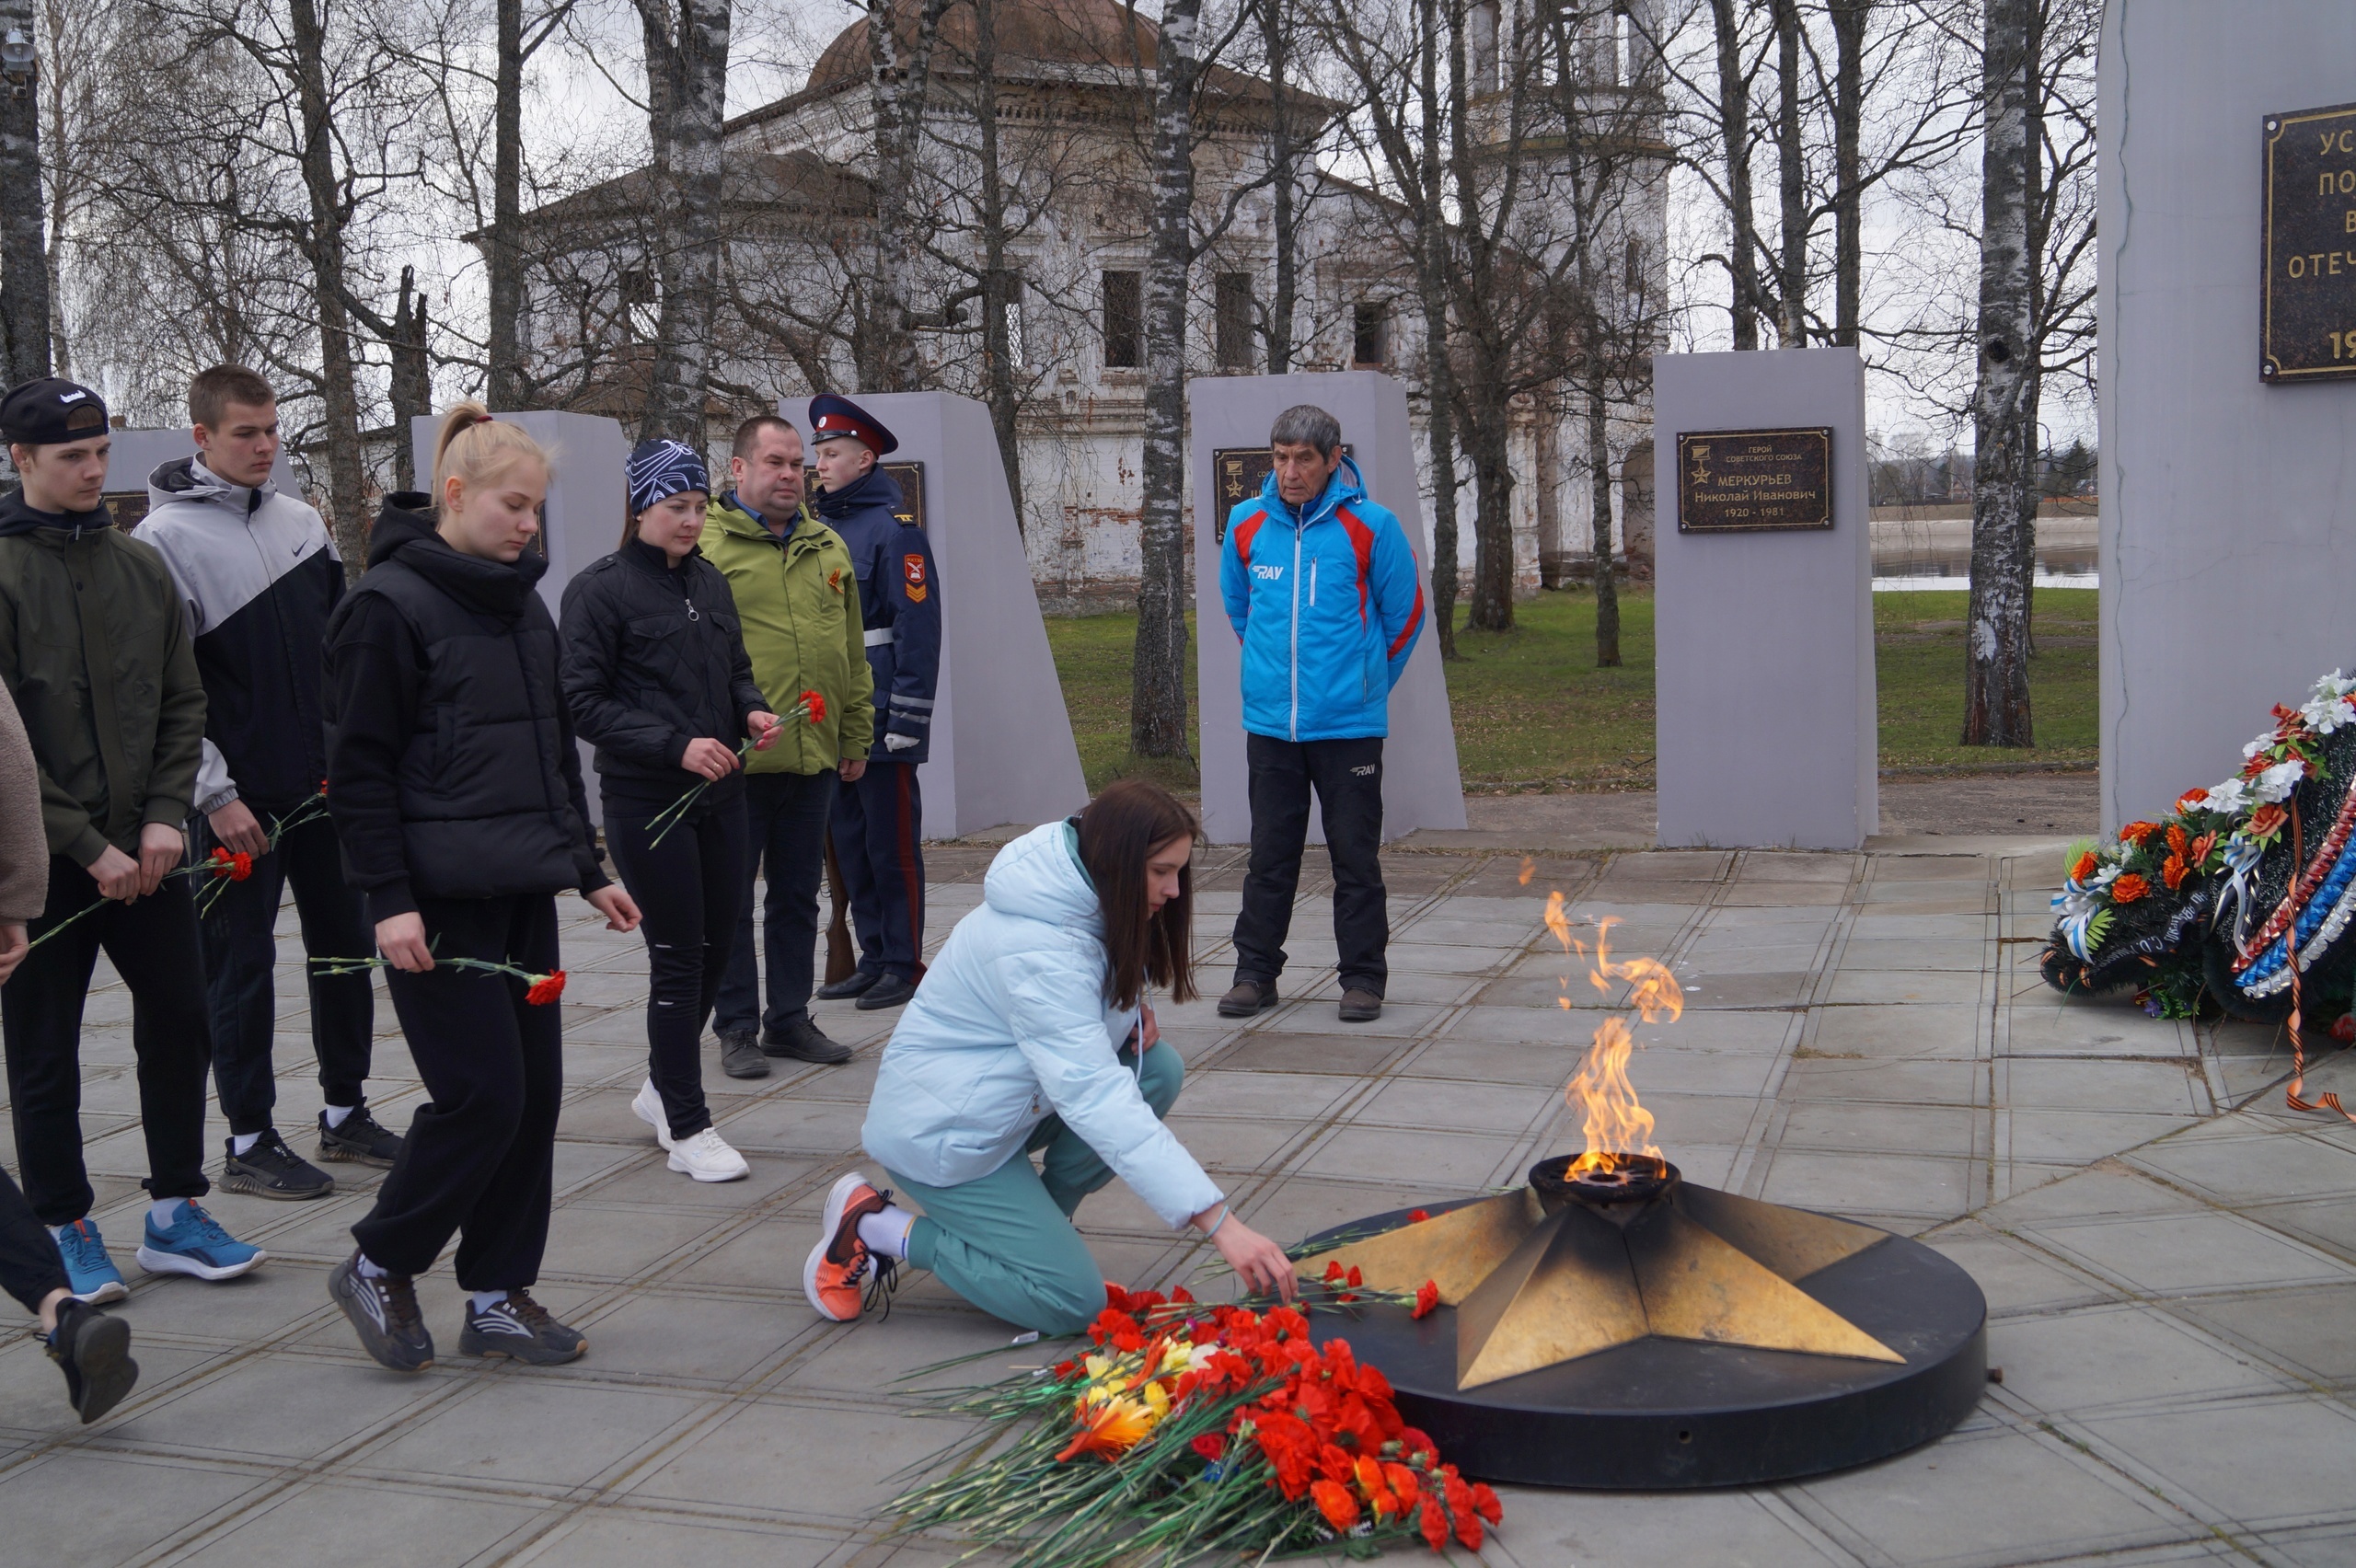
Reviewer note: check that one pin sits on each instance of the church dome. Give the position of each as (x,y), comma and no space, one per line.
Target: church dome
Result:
(1076,33)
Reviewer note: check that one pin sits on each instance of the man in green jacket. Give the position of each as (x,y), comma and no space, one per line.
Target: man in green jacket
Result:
(799,603)
(95,651)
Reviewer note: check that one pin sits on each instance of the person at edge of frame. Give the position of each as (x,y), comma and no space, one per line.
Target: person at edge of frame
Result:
(1320,585)
(1034,1035)
(455,787)
(798,599)
(259,576)
(878,823)
(657,680)
(92,1347)
(93,649)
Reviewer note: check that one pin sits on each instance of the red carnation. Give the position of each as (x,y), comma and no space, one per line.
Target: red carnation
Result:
(236,867)
(1426,1298)
(2343,1028)
(2084,867)
(2175,872)
(1417,1216)
(1211,1445)
(815,705)
(2192,800)
(1334,1501)
(2135,833)
(1434,1524)
(2128,888)
(545,988)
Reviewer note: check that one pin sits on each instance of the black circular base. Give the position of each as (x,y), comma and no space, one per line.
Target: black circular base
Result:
(1669,1414)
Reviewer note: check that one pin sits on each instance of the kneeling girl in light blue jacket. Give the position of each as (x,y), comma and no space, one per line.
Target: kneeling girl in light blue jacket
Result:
(1031,1034)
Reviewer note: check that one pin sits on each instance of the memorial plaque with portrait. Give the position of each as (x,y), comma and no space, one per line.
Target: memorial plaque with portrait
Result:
(910,477)
(1238,473)
(2307,304)
(1732,482)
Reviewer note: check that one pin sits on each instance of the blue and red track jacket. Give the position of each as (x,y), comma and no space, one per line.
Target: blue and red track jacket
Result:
(1328,607)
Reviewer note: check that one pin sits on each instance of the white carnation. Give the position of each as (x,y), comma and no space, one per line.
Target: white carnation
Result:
(2232,796)
(2276,782)
(2325,713)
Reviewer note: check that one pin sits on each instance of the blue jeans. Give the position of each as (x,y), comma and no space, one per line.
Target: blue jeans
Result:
(785,819)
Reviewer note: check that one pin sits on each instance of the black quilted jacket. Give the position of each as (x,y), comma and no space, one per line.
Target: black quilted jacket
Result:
(653,659)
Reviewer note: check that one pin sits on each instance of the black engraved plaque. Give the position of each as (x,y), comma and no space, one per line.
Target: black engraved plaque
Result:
(1238,473)
(2307,309)
(910,477)
(1731,481)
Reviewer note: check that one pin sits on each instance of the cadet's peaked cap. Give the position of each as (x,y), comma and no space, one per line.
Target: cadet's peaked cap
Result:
(832,417)
(49,411)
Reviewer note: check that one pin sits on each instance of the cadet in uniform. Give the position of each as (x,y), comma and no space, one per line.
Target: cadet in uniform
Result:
(879,821)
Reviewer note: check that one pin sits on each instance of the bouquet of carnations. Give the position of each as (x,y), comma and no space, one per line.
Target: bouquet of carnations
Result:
(1188,1430)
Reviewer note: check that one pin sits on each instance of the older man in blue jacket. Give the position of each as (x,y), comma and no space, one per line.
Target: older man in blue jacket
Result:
(1321,585)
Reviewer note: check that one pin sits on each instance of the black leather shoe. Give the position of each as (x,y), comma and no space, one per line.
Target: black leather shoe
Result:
(854,984)
(741,1056)
(889,991)
(802,1042)
(1249,997)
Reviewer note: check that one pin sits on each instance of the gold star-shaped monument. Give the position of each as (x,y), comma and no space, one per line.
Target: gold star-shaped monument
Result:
(1566,1267)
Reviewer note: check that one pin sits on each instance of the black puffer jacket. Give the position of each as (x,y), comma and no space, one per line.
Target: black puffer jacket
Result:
(452,772)
(655,658)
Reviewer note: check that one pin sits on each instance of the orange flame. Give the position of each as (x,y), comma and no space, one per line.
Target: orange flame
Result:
(1616,1124)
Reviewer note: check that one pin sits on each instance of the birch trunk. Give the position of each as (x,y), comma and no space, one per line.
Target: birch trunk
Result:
(412,378)
(339,392)
(24,258)
(1791,284)
(689,49)
(1849,19)
(1598,485)
(1488,404)
(899,90)
(1158,676)
(998,285)
(503,258)
(1997,704)
(1734,122)
(1431,284)
(1282,196)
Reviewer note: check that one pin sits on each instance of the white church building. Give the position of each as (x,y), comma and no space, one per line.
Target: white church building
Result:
(1074,85)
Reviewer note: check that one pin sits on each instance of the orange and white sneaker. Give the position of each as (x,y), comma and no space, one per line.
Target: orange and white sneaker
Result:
(839,1264)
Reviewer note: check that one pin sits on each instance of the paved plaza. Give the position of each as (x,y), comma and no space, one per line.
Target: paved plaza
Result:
(2169,1257)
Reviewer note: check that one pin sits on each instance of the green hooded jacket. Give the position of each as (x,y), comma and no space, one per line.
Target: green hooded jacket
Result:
(93,647)
(799,604)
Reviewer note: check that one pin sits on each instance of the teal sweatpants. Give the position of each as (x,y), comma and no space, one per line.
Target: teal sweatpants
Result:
(1005,1241)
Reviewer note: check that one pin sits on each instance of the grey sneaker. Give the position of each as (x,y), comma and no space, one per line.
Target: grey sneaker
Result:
(383,1310)
(271,1169)
(740,1055)
(521,1328)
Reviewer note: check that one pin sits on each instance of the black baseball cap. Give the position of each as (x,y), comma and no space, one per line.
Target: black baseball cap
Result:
(50,411)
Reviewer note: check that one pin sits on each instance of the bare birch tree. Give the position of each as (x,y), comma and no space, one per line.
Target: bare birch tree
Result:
(687,88)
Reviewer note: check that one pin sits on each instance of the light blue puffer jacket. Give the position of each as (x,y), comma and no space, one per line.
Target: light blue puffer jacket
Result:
(1011,1026)
(1328,606)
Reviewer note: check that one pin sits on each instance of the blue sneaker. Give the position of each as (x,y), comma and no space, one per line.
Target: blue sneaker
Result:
(195,1245)
(89,1272)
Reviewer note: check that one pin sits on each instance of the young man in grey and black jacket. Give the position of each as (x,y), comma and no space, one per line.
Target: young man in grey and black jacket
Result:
(259,576)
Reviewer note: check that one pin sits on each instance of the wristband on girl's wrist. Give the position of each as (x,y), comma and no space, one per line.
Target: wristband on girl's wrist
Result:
(1223,1212)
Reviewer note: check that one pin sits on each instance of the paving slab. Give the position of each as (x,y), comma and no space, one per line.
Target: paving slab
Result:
(2169,1256)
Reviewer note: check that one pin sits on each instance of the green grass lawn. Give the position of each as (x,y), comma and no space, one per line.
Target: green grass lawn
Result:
(1534,711)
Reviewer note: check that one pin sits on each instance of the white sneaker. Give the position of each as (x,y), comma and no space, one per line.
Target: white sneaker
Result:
(649,1106)
(706,1158)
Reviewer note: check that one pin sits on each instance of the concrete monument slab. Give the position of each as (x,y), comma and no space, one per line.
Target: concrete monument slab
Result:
(1421,787)
(1002,750)
(1763,612)
(2228,541)
(139,453)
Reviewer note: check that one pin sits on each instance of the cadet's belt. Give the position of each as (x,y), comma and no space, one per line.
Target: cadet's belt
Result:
(878,635)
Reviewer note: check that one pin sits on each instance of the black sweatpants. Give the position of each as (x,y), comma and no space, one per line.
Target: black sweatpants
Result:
(479,1156)
(152,943)
(29,1265)
(1347,777)
(241,928)
(690,888)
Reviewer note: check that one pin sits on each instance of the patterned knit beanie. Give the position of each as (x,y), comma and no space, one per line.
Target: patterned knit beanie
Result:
(660,469)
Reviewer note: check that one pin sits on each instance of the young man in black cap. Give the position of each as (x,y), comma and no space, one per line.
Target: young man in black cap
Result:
(259,577)
(878,822)
(94,648)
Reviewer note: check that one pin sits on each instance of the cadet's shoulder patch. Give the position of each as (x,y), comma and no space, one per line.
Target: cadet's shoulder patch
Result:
(912,573)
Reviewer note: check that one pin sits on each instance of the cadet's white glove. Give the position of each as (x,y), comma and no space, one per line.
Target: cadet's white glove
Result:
(899,742)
